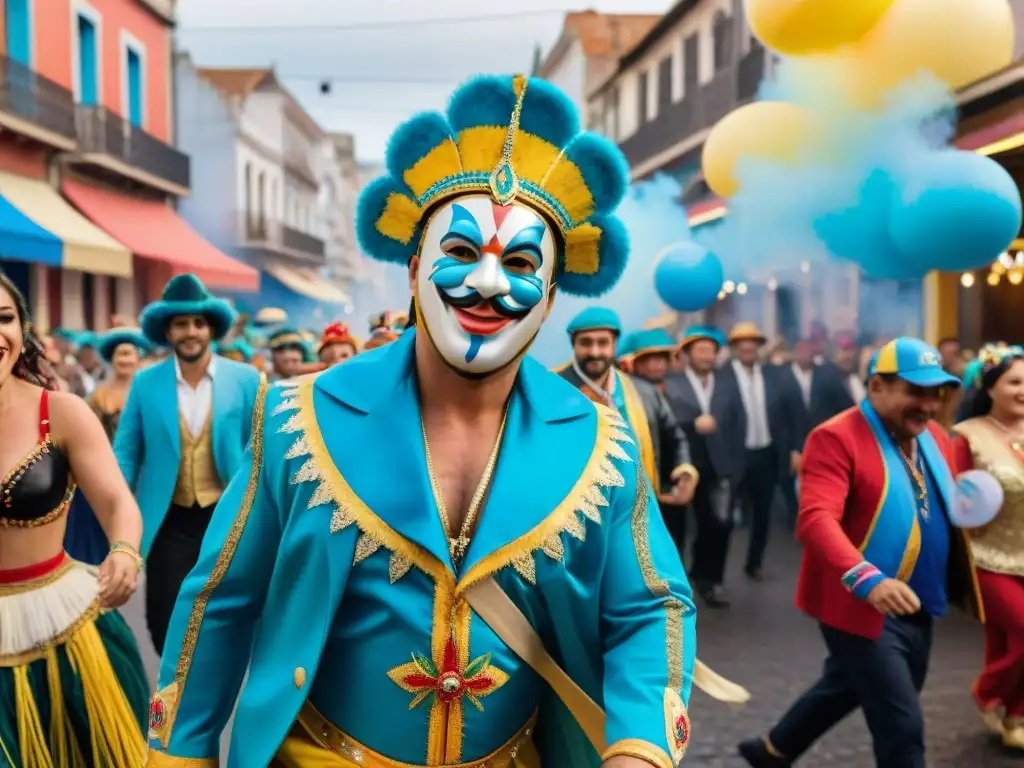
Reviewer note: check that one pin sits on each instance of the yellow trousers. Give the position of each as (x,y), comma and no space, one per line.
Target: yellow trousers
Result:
(314,743)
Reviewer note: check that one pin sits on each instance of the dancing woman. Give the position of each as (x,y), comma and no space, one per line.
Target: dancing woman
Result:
(992,438)
(72,686)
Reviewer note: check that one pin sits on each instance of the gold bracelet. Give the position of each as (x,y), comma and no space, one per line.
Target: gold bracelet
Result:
(128,549)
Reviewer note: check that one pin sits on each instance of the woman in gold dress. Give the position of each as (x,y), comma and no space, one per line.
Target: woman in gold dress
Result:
(123,350)
(992,438)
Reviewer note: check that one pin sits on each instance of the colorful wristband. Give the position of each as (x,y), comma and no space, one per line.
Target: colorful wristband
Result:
(861,579)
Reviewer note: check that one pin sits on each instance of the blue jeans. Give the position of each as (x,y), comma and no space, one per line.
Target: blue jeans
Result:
(883,677)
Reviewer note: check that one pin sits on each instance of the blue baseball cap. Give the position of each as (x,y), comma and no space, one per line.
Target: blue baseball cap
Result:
(913,361)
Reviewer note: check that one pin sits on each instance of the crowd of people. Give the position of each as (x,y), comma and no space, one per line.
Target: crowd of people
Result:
(444,553)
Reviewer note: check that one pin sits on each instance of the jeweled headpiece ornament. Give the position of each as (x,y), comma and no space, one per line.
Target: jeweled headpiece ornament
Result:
(515,139)
(990,356)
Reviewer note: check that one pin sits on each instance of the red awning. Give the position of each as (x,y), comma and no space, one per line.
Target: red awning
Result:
(154,230)
(1005,129)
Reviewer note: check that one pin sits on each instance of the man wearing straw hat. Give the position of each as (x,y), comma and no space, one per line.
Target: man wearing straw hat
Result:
(768,456)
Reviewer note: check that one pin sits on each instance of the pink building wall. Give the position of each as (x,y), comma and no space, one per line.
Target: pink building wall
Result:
(54,50)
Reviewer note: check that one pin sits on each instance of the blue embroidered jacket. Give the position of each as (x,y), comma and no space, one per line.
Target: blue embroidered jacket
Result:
(327,557)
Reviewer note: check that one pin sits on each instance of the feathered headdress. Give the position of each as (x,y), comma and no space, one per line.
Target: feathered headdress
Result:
(989,356)
(516,139)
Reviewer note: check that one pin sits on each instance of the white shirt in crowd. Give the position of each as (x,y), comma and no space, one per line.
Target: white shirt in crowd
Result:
(856,387)
(804,379)
(194,404)
(751,383)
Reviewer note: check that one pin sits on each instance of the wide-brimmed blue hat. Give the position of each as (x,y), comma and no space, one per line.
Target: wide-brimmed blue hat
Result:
(114,338)
(290,338)
(652,341)
(595,319)
(186,295)
(626,346)
(239,348)
(516,139)
(86,339)
(914,361)
(698,332)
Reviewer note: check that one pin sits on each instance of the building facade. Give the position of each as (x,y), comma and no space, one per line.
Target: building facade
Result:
(88,163)
(257,190)
(587,52)
(336,207)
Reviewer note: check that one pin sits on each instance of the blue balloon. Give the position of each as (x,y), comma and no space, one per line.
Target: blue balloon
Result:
(688,277)
(957,211)
(861,233)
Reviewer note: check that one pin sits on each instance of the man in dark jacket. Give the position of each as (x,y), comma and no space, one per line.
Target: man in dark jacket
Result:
(711,414)
(663,447)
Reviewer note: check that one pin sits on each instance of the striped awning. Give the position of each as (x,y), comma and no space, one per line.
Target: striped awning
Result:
(38,225)
(307,283)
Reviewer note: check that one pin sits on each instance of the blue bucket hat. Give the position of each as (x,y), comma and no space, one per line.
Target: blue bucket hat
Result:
(595,319)
(114,338)
(517,139)
(698,332)
(186,295)
(652,341)
(239,347)
(913,361)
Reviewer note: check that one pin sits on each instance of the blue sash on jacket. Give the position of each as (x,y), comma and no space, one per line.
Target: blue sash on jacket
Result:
(893,541)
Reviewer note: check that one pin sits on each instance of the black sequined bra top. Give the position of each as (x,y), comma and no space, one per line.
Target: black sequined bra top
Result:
(38,489)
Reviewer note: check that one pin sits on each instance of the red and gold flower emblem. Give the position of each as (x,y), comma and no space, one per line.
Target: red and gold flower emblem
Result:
(157,715)
(447,683)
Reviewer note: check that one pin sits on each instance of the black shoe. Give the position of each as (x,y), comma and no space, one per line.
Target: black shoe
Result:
(755,574)
(714,596)
(755,752)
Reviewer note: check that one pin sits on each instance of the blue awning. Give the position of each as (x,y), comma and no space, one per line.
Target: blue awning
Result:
(21,239)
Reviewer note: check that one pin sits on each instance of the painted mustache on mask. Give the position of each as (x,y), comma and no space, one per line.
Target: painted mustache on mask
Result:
(474,299)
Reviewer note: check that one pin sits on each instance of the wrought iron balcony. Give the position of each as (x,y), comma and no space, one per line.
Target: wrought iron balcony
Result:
(700,109)
(257,231)
(112,142)
(36,107)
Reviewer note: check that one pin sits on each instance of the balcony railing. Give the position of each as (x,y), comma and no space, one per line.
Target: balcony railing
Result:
(259,231)
(299,241)
(101,132)
(701,108)
(31,97)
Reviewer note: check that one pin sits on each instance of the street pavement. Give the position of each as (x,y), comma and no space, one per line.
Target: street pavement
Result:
(763,643)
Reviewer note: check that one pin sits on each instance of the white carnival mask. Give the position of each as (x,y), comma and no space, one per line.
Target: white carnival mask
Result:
(484,276)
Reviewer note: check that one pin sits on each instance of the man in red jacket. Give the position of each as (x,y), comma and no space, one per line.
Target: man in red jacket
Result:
(880,562)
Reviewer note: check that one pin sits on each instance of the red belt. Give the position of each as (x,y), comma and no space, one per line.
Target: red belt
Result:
(34,571)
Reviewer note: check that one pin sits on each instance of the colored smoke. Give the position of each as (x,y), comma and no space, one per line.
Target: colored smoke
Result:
(654,219)
(841,188)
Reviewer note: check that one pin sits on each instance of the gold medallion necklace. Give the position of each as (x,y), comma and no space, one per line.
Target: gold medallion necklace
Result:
(1015,441)
(917,479)
(458,545)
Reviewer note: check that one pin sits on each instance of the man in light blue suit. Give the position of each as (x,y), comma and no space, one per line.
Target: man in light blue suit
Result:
(412,526)
(182,436)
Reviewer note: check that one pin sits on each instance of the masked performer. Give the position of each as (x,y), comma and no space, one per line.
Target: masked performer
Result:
(182,435)
(408,521)
(992,438)
(664,451)
(72,687)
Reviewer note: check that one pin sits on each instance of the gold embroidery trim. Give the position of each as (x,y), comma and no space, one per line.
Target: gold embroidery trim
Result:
(584,502)
(640,749)
(27,657)
(220,568)
(674,609)
(38,583)
(163,760)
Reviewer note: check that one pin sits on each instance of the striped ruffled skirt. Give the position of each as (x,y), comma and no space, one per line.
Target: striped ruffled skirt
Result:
(73,691)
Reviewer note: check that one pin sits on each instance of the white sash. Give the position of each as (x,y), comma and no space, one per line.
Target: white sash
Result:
(704,394)
(597,388)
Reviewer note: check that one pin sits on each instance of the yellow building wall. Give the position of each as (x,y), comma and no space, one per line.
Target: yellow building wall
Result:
(941,306)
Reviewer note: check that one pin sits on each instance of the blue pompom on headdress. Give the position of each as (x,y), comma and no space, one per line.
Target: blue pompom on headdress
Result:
(516,139)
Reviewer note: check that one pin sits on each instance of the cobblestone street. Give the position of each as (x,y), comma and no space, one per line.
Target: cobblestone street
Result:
(766,645)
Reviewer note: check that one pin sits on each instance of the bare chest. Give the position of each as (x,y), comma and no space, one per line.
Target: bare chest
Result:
(458,465)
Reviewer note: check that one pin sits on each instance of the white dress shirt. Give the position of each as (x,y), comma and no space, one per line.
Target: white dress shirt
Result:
(751,383)
(804,379)
(194,404)
(856,387)
(704,390)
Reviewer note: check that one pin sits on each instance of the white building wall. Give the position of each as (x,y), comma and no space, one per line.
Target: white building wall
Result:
(263,120)
(570,74)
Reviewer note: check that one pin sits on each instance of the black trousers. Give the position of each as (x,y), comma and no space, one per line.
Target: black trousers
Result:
(714,529)
(675,520)
(174,553)
(883,677)
(758,492)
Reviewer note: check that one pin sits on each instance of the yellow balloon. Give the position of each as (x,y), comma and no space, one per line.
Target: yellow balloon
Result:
(799,27)
(768,130)
(958,41)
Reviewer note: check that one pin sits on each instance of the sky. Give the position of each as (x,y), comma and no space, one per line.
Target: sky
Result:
(396,58)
